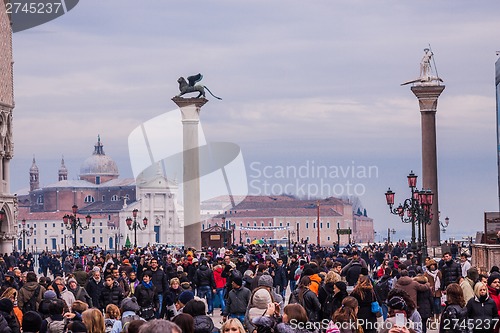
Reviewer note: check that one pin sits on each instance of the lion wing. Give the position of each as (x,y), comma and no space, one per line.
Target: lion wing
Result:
(194,78)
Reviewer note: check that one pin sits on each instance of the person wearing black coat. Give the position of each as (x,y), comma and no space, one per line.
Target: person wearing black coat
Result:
(280,282)
(94,288)
(307,298)
(481,310)
(205,282)
(160,281)
(425,303)
(6,307)
(328,305)
(450,270)
(365,295)
(147,297)
(111,293)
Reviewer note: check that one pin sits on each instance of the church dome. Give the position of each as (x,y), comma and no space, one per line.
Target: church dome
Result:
(98,164)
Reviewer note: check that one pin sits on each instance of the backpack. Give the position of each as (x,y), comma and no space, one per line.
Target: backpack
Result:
(126,320)
(30,305)
(56,326)
(328,306)
(382,289)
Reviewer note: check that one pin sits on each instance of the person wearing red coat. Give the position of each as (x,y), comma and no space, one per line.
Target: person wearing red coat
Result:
(220,283)
(494,289)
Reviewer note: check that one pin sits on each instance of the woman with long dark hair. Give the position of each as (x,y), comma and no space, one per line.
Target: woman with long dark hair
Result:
(365,295)
(345,319)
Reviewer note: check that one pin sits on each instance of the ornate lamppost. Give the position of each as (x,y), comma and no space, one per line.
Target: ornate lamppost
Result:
(389,231)
(25,232)
(135,225)
(72,222)
(415,210)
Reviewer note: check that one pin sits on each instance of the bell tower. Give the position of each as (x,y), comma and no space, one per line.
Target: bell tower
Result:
(34,176)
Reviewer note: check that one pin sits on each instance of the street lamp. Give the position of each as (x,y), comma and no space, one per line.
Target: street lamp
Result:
(246,236)
(415,210)
(118,238)
(72,222)
(25,232)
(135,225)
(389,231)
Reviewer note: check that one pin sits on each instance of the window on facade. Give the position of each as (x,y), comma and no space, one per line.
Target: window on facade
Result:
(328,237)
(270,224)
(100,239)
(81,240)
(34,225)
(34,232)
(328,225)
(53,225)
(100,231)
(93,239)
(103,198)
(39,200)
(288,224)
(62,240)
(314,225)
(307,225)
(255,224)
(62,232)
(100,224)
(115,198)
(45,241)
(80,231)
(202,227)
(89,199)
(248,224)
(281,224)
(262,224)
(34,241)
(28,241)
(45,232)
(127,197)
(45,225)
(321,225)
(98,180)
(93,231)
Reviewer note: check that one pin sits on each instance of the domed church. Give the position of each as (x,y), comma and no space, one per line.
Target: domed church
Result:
(108,199)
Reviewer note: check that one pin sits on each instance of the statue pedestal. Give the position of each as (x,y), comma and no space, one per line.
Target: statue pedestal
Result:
(190,111)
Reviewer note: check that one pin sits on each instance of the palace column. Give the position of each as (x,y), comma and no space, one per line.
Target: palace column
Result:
(190,112)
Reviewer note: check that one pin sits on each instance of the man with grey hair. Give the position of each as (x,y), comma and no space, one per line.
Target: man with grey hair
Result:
(160,326)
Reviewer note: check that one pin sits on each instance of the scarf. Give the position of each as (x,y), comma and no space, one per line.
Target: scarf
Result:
(435,276)
(147,285)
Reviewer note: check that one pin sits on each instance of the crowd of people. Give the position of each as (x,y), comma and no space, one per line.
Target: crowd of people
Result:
(378,288)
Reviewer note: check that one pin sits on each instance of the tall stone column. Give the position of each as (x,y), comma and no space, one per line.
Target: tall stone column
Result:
(427,97)
(190,112)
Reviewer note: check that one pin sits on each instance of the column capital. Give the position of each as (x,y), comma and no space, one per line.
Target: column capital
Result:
(427,97)
(185,102)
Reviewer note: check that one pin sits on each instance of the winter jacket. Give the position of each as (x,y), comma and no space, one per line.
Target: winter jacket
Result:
(495,296)
(430,279)
(237,301)
(203,324)
(220,282)
(324,293)
(159,280)
(11,321)
(425,300)
(94,289)
(352,272)
(480,311)
(81,277)
(111,295)
(407,284)
(147,297)
(311,303)
(4,326)
(365,308)
(467,286)
(204,277)
(27,292)
(280,281)
(81,295)
(453,319)
(451,273)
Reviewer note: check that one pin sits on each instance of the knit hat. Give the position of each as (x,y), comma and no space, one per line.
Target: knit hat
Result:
(341,285)
(180,269)
(265,280)
(76,327)
(32,321)
(431,262)
(49,294)
(130,304)
(186,296)
(238,280)
(72,280)
(6,305)
(492,278)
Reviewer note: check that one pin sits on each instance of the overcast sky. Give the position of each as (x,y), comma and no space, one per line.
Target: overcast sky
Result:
(304,83)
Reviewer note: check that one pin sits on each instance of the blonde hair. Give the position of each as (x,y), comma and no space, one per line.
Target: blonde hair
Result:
(232,321)
(174,280)
(478,287)
(10,293)
(112,311)
(332,276)
(93,320)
